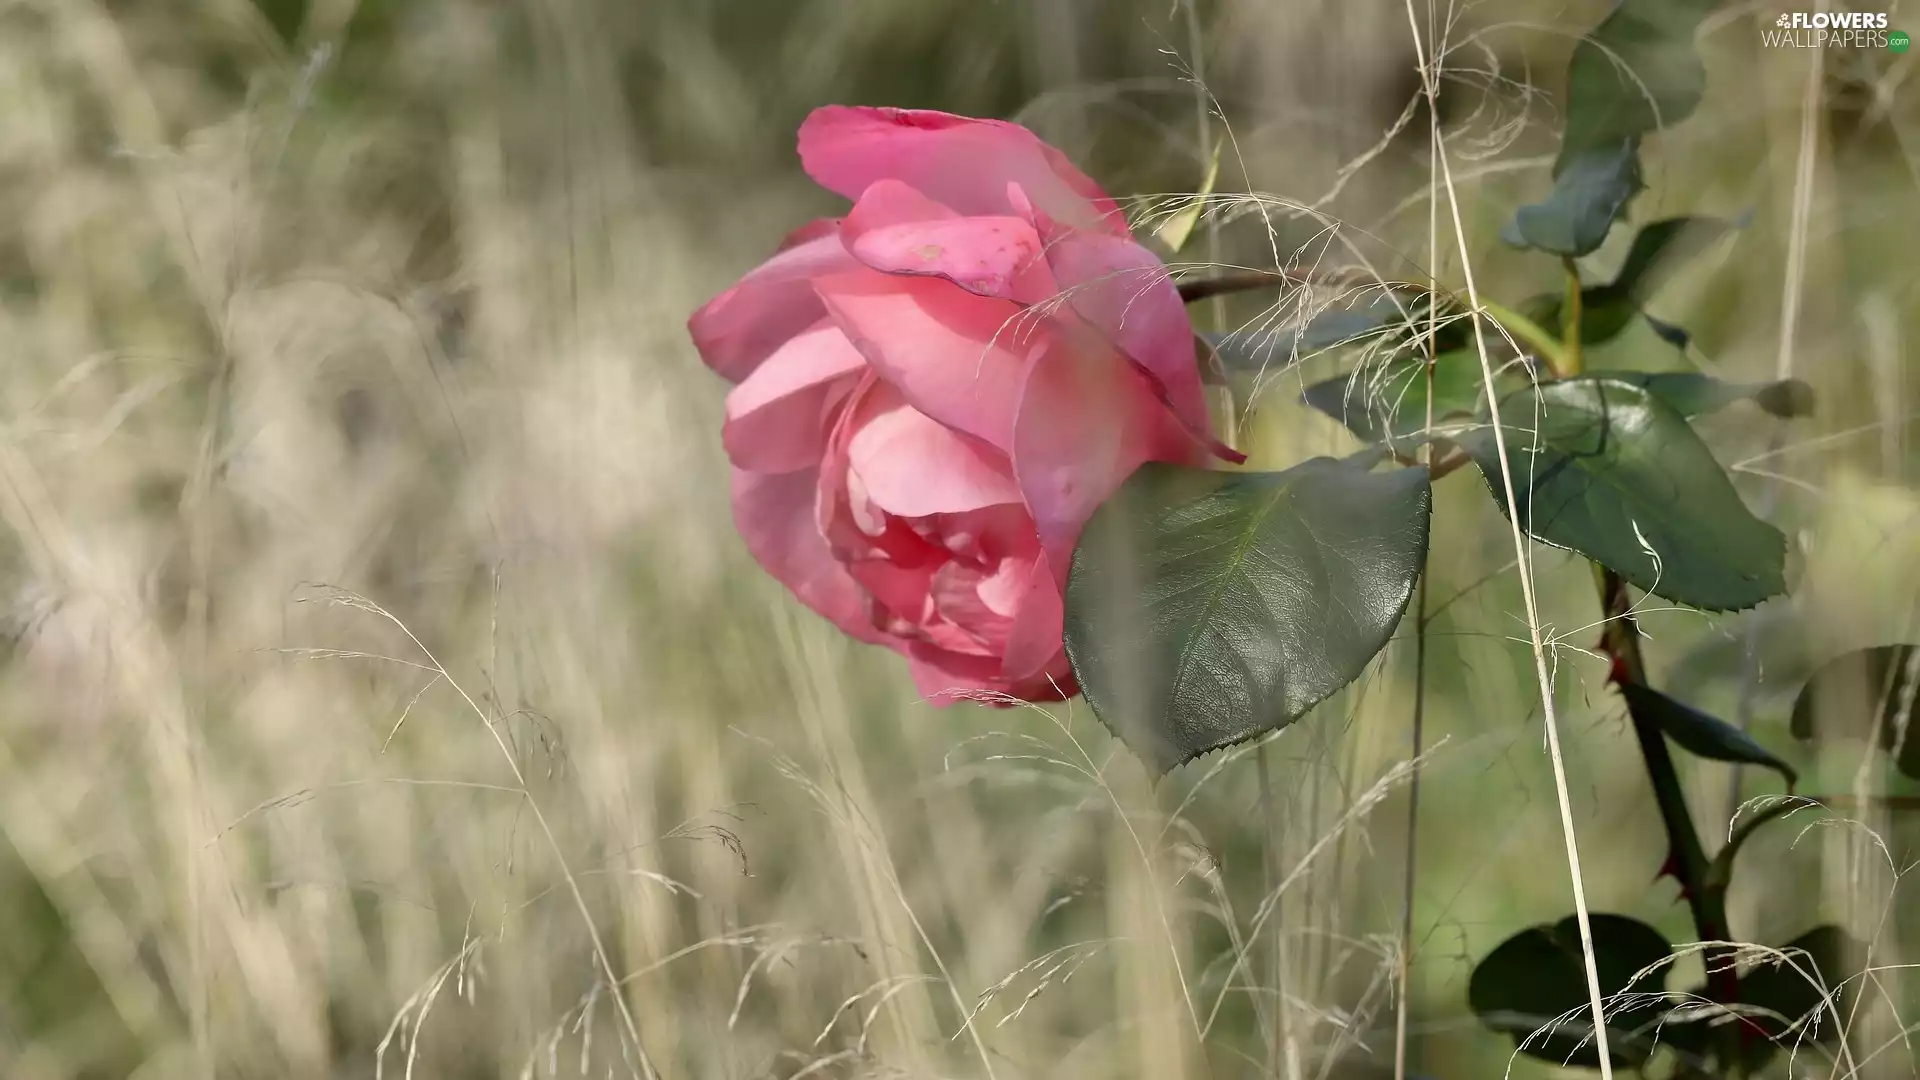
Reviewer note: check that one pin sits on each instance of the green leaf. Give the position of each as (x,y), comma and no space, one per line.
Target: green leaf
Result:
(1264,348)
(1612,472)
(1781,1001)
(1676,336)
(1336,326)
(1636,72)
(1699,733)
(1206,608)
(1386,401)
(1662,245)
(1606,310)
(1589,193)
(1825,956)
(1868,694)
(1604,313)
(1537,979)
(1693,394)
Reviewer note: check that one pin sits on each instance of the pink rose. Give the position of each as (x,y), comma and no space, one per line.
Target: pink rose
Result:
(934,393)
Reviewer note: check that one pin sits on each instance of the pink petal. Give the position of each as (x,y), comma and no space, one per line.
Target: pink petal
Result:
(961,162)
(1056,683)
(775,515)
(1035,638)
(1138,321)
(741,327)
(960,595)
(888,202)
(857,528)
(1088,419)
(896,230)
(900,591)
(959,358)
(944,678)
(1122,290)
(913,467)
(777,419)
(1002,591)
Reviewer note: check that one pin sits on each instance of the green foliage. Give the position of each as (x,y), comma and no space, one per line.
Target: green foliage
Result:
(1604,468)
(1868,694)
(1336,326)
(1255,596)
(1806,989)
(1700,733)
(1676,336)
(1635,73)
(1266,349)
(1206,608)
(1386,400)
(1606,310)
(1588,195)
(1796,996)
(1533,986)
(1692,394)
(1632,75)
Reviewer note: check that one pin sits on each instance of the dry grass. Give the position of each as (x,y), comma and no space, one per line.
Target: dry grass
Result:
(385,679)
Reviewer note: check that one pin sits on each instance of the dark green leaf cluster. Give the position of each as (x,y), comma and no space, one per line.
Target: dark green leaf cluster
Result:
(1205,609)
(1533,987)
(1635,73)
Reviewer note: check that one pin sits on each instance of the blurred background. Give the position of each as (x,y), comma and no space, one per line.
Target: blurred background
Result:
(383,675)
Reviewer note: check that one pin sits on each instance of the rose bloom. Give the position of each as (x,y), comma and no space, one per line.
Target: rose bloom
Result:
(934,393)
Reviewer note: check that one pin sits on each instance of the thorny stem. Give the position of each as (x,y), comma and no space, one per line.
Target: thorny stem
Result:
(1686,857)
(1687,861)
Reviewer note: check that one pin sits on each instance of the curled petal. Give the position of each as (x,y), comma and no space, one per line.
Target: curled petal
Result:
(945,678)
(743,326)
(959,358)
(961,162)
(777,419)
(775,514)
(912,467)
(1122,290)
(1087,420)
(896,230)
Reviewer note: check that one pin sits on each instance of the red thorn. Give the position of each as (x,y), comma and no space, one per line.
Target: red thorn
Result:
(1617,672)
(1671,868)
